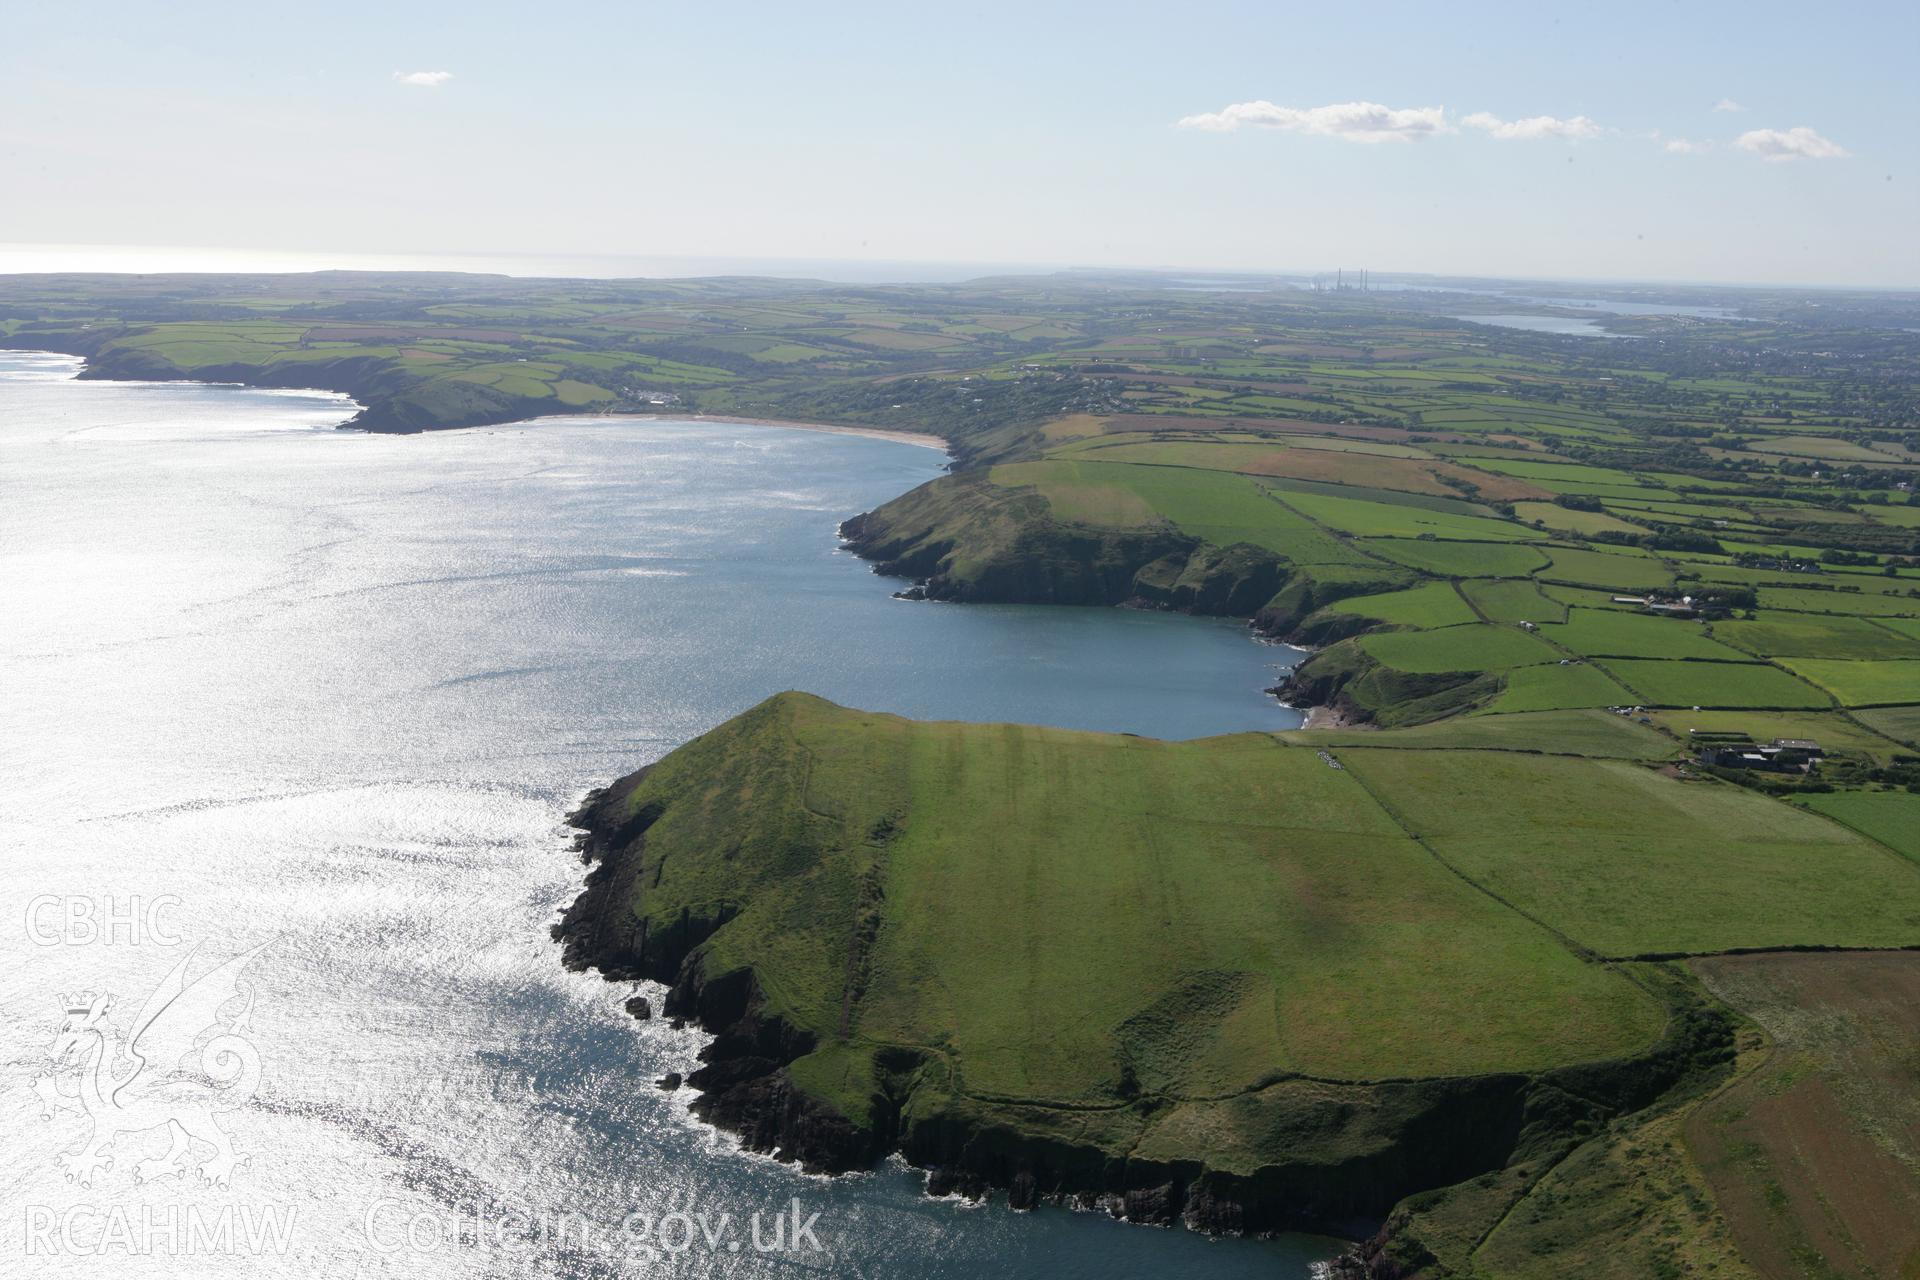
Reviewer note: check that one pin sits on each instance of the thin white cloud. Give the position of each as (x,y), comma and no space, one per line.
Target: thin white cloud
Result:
(1685,146)
(1349,121)
(1533,128)
(1727,104)
(423,79)
(1800,143)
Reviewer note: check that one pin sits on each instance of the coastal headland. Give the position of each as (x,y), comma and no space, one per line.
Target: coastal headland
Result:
(1601,847)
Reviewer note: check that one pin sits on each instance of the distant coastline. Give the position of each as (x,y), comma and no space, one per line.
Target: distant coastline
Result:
(89,370)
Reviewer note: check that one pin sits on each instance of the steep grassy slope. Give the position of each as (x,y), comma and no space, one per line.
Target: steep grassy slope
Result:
(1222,971)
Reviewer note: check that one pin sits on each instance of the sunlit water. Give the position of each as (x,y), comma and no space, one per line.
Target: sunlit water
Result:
(334,693)
(1565,326)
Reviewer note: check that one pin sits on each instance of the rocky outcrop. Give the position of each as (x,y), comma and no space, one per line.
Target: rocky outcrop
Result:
(1309,590)
(1345,676)
(743,1086)
(1228,582)
(1330,626)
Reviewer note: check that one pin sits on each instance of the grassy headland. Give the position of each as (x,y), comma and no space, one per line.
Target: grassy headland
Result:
(1516,962)
(1221,971)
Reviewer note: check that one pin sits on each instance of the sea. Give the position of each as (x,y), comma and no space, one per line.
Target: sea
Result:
(293,719)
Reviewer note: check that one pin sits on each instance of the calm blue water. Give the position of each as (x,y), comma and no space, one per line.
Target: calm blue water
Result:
(334,693)
(1565,325)
(1615,307)
(1585,328)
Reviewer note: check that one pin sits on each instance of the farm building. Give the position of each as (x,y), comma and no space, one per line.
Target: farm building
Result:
(1782,755)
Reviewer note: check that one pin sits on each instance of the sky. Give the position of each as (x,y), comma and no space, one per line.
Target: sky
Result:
(1687,141)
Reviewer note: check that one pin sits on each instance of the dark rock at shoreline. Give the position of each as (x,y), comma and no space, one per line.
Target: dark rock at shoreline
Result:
(640,1007)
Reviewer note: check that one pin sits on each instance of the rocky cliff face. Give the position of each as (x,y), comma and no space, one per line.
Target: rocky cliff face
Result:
(968,539)
(1347,677)
(1229,582)
(1310,590)
(744,1087)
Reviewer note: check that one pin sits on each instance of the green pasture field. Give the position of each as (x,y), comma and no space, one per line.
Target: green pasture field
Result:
(1432,604)
(1891,817)
(1376,519)
(1549,474)
(1101,886)
(1566,520)
(1478,647)
(1792,635)
(1904,516)
(1339,444)
(1606,492)
(1628,861)
(1459,559)
(1605,570)
(1587,598)
(1609,633)
(1513,600)
(1442,504)
(1359,470)
(1556,732)
(1815,447)
(1908,627)
(1902,724)
(1858,603)
(1552,687)
(1862,684)
(1805,516)
(1246,457)
(573,391)
(1713,684)
(1655,507)
(1081,495)
(1219,506)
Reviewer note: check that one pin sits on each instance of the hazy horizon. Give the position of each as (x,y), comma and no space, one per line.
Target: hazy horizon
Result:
(65,259)
(1707,144)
